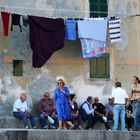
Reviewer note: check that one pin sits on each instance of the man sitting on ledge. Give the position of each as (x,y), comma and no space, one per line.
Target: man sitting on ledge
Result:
(100,112)
(20,111)
(47,108)
(87,113)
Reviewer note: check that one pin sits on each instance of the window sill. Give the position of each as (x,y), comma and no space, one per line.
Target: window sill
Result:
(98,81)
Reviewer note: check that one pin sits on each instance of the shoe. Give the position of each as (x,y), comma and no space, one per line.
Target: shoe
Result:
(34,127)
(64,128)
(52,127)
(109,129)
(125,129)
(26,127)
(135,129)
(45,127)
(70,124)
(60,128)
(79,127)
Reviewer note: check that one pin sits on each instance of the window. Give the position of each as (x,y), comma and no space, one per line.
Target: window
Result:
(98,8)
(17,67)
(100,67)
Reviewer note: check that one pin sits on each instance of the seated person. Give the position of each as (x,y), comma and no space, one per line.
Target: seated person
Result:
(100,112)
(109,109)
(20,111)
(87,113)
(129,118)
(75,111)
(47,108)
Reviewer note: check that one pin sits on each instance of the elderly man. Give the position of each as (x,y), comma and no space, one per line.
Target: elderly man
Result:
(47,108)
(87,113)
(119,97)
(100,112)
(20,111)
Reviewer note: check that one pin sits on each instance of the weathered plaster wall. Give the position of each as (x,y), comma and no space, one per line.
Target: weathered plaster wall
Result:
(36,81)
(69,63)
(127,52)
(51,8)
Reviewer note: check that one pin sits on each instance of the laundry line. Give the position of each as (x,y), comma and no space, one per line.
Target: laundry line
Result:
(27,11)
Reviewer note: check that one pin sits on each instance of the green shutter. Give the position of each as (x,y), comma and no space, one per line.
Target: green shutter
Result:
(98,8)
(17,67)
(99,67)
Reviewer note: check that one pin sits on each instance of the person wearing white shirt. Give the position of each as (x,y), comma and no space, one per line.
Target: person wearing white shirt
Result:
(119,97)
(87,112)
(20,111)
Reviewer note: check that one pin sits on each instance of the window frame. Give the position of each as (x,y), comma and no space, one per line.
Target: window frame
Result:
(96,69)
(17,67)
(98,8)
(100,13)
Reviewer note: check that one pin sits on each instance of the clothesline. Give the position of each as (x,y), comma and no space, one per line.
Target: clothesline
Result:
(92,34)
(27,11)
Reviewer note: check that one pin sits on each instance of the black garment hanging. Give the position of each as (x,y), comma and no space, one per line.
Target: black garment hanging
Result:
(46,37)
(25,21)
(16,21)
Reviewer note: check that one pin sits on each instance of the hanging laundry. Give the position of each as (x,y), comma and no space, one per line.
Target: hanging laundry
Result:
(25,21)
(93,29)
(46,37)
(114,30)
(71,30)
(92,48)
(5,20)
(92,34)
(15,21)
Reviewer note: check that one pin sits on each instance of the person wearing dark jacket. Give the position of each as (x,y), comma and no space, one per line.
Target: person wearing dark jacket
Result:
(87,113)
(100,112)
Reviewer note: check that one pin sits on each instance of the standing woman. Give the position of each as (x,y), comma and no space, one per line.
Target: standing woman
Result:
(135,98)
(61,98)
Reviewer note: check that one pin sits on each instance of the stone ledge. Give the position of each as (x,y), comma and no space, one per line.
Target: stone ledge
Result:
(11,122)
(39,134)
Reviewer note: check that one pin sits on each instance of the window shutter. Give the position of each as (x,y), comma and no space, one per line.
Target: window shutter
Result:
(99,67)
(17,67)
(98,8)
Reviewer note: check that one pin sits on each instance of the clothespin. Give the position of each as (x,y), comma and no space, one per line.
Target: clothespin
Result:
(65,18)
(112,18)
(2,9)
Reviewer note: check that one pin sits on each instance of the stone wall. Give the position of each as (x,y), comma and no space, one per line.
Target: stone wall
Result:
(12,134)
(48,8)
(68,62)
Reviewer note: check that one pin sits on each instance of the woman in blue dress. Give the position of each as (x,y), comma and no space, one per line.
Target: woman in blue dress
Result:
(61,98)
